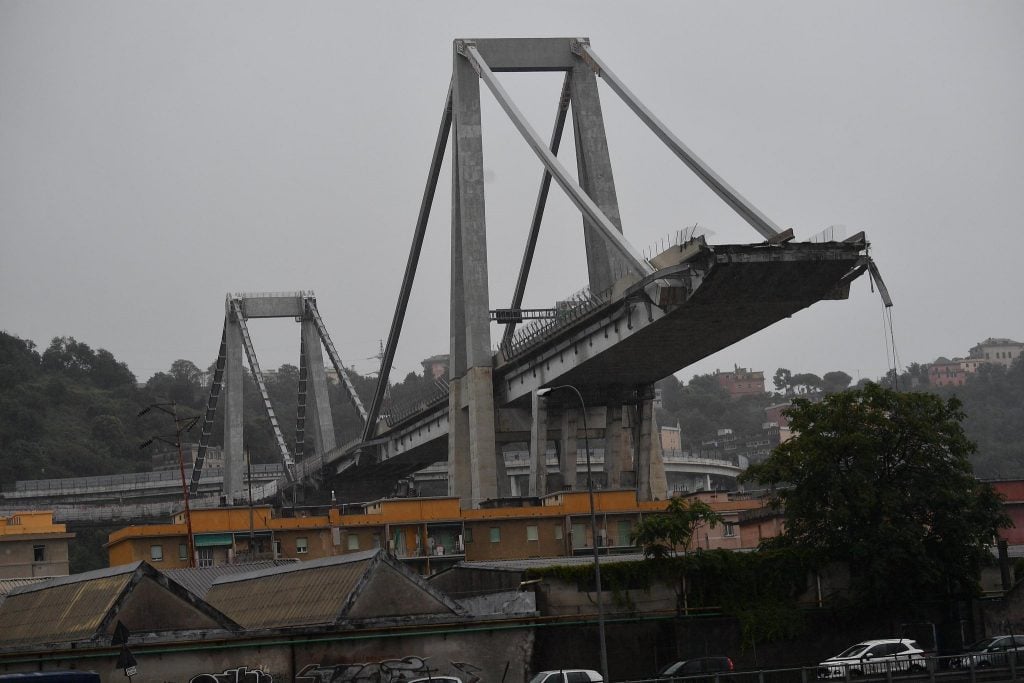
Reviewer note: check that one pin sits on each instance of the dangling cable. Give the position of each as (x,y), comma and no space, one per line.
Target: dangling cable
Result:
(887,326)
(887,313)
(889,362)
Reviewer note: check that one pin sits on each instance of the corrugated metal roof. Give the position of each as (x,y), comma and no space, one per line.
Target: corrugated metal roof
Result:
(314,592)
(117,570)
(7,585)
(540,562)
(198,580)
(59,611)
(303,566)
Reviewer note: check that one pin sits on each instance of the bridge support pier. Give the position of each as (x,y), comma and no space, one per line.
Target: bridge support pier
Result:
(567,448)
(614,447)
(538,447)
(234,457)
(650,466)
(318,405)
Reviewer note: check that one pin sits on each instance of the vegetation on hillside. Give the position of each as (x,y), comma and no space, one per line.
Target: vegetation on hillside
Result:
(70,410)
(992,402)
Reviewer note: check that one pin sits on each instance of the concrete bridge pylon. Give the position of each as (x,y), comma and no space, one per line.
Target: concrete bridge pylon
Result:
(314,424)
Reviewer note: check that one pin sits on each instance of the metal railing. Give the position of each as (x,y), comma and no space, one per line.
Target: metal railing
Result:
(567,313)
(408,408)
(944,669)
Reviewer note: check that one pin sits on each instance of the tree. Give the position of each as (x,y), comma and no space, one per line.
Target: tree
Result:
(881,481)
(806,383)
(834,381)
(663,535)
(782,380)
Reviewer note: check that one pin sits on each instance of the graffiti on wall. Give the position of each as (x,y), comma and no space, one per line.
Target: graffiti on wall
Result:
(384,671)
(240,674)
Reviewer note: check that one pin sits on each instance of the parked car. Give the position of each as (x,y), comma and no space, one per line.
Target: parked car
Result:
(567,676)
(993,651)
(698,666)
(874,657)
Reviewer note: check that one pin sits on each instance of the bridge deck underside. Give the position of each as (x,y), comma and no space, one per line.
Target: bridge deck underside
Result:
(734,301)
(375,480)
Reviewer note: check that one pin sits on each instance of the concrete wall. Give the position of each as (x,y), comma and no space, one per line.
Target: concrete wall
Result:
(307,657)
(17,556)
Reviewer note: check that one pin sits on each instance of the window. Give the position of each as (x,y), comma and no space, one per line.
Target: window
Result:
(353,542)
(205,557)
(156,553)
(277,548)
(301,545)
(625,532)
(531,532)
(467,534)
(495,534)
(730,529)
(579,535)
(39,553)
(558,532)
(183,552)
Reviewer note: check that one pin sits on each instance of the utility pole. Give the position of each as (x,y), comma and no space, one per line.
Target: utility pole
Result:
(181,424)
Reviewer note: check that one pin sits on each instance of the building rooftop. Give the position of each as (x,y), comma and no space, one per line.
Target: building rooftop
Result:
(198,580)
(86,607)
(328,591)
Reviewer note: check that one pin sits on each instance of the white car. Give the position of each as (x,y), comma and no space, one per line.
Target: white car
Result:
(567,676)
(992,651)
(874,657)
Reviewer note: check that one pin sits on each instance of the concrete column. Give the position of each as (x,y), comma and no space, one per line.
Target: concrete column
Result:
(567,462)
(539,447)
(614,445)
(594,171)
(470,302)
(458,447)
(483,454)
(234,448)
(318,404)
(650,465)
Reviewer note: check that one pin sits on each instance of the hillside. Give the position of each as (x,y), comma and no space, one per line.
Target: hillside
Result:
(72,411)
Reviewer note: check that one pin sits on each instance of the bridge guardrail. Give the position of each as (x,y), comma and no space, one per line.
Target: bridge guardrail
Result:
(568,312)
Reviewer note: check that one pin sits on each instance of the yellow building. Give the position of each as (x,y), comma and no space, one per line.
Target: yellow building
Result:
(427,533)
(32,545)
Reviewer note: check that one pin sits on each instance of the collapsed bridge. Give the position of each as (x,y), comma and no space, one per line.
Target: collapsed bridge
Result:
(638,320)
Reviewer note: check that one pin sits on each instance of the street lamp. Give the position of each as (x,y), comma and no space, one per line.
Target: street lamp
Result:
(593,524)
(181,424)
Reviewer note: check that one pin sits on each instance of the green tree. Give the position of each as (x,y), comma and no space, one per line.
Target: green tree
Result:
(782,380)
(665,534)
(881,481)
(807,382)
(834,381)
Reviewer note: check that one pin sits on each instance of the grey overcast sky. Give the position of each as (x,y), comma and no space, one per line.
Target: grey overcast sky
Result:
(156,155)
